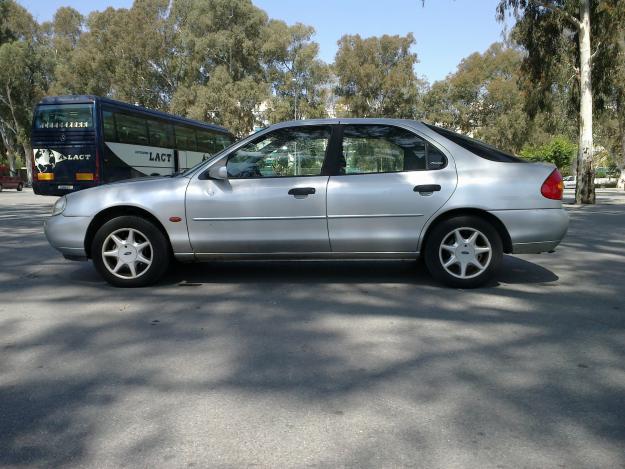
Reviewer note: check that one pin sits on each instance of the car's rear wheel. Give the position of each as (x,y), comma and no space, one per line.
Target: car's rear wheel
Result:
(130,251)
(20,186)
(0,187)
(463,252)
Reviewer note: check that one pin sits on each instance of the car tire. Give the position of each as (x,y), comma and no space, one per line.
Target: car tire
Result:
(130,251)
(463,251)
(19,187)
(0,187)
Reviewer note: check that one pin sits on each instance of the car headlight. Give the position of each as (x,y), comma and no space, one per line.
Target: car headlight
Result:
(59,206)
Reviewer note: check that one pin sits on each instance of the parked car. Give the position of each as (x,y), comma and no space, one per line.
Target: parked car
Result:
(569,182)
(323,189)
(11,182)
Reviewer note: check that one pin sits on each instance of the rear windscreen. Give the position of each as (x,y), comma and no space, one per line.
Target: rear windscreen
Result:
(64,116)
(476,147)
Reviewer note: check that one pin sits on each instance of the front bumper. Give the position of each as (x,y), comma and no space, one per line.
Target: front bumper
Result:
(534,231)
(67,235)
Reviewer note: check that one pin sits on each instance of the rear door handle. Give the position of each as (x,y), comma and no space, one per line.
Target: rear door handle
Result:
(301,191)
(427,188)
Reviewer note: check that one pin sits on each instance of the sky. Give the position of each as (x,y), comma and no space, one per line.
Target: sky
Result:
(445,30)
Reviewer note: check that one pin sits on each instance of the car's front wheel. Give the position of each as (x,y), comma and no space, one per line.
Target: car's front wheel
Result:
(20,186)
(463,252)
(129,251)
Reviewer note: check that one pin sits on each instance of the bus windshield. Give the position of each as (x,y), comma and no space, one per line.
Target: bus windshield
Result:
(64,116)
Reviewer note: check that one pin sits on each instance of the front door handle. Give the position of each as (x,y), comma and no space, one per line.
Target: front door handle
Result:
(302,191)
(427,188)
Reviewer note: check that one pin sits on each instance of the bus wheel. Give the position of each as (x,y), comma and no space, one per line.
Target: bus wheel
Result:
(129,251)
(20,186)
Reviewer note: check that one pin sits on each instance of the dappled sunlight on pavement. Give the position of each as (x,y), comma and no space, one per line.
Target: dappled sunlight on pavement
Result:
(363,364)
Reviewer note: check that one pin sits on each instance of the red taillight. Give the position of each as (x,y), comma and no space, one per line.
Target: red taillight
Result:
(553,187)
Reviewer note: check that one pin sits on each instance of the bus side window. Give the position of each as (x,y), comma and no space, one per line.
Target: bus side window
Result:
(185,138)
(131,129)
(108,123)
(205,141)
(222,141)
(161,134)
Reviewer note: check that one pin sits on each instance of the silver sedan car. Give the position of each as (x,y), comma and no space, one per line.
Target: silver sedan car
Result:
(323,189)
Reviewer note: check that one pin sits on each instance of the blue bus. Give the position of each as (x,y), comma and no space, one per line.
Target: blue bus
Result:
(83,141)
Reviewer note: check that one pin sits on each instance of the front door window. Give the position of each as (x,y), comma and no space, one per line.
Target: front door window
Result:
(292,152)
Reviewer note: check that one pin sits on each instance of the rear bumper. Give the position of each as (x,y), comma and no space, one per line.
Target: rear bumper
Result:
(534,231)
(67,235)
(52,188)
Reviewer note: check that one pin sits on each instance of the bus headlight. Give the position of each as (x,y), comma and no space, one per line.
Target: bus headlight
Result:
(59,206)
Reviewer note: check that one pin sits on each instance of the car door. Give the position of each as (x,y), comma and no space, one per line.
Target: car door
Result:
(388,182)
(273,200)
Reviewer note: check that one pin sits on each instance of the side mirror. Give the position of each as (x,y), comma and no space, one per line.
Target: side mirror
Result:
(218,172)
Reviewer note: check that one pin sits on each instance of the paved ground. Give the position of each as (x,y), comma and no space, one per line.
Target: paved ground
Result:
(314,364)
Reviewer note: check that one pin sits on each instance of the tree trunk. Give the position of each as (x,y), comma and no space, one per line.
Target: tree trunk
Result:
(621,127)
(28,158)
(11,159)
(621,180)
(585,193)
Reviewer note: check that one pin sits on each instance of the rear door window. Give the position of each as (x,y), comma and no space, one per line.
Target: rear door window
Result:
(386,149)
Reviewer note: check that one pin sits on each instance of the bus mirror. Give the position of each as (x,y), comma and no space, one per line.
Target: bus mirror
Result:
(218,172)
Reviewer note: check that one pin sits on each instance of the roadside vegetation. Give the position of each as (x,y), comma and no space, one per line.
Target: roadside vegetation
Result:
(227,62)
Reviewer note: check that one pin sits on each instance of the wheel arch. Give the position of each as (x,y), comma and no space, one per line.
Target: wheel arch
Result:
(120,210)
(506,240)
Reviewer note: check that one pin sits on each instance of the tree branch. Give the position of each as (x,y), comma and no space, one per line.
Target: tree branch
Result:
(559,11)
(592,56)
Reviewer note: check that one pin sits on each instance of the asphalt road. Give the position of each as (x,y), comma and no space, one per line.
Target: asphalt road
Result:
(336,364)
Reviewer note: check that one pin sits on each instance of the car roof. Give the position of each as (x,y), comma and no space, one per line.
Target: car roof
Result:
(347,120)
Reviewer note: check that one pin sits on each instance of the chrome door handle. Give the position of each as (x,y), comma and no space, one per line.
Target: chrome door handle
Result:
(302,191)
(427,188)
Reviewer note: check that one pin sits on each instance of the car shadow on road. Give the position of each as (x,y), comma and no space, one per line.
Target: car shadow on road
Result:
(513,270)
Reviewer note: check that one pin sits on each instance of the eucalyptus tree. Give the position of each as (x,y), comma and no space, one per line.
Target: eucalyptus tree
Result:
(298,77)
(559,36)
(122,53)
(483,98)
(223,78)
(376,76)
(24,74)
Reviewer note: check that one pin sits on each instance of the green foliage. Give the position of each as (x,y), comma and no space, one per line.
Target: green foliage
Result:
(483,98)
(226,61)
(299,79)
(559,151)
(25,68)
(376,76)
(222,100)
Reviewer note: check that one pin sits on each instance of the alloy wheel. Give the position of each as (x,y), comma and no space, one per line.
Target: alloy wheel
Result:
(127,253)
(465,253)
